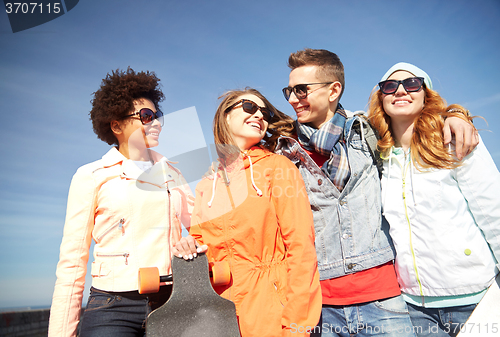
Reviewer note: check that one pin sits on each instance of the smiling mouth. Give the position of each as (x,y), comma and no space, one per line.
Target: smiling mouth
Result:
(401,102)
(255,125)
(155,134)
(300,111)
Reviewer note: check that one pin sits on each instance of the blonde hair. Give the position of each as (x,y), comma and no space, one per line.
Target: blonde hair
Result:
(280,124)
(427,142)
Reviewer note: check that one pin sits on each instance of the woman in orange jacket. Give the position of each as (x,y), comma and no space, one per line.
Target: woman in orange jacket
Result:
(131,204)
(254,213)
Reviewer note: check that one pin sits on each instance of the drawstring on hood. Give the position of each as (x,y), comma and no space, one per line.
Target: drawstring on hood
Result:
(388,178)
(213,187)
(391,156)
(254,185)
(259,192)
(412,185)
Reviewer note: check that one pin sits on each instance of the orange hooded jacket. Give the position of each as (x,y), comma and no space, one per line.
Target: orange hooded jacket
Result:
(256,215)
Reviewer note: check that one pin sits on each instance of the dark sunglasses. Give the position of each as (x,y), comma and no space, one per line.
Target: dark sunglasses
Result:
(300,90)
(411,84)
(147,116)
(251,108)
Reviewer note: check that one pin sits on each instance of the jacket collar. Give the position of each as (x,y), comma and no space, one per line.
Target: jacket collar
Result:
(157,175)
(113,157)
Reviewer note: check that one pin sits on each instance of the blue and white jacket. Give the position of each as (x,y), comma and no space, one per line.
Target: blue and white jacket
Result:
(445,224)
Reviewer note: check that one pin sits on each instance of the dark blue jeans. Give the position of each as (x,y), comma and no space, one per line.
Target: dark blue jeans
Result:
(388,317)
(110,314)
(439,322)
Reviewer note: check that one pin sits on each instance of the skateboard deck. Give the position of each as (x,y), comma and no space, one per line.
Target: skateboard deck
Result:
(194,309)
(485,319)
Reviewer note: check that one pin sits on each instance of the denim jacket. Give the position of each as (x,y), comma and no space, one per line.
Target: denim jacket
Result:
(351,234)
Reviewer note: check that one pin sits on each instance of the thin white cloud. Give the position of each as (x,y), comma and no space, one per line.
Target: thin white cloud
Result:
(483,102)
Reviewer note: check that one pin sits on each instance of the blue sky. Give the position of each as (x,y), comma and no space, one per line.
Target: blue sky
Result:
(200,49)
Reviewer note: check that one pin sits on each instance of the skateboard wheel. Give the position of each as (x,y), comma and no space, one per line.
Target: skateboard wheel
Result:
(149,280)
(221,274)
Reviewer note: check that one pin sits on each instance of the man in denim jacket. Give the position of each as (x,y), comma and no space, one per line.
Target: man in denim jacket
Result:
(355,256)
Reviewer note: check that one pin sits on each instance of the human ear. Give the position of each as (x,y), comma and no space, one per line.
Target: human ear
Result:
(228,117)
(336,89)
(116,127)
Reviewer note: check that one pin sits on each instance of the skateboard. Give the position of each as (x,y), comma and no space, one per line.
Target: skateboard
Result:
(485,319)
(194,309)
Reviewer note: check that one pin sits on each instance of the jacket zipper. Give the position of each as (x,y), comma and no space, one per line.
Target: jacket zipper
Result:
(278,294)
(125,255)
(169,196)
(120,226)
(409,228)
(225,176)
(169,205)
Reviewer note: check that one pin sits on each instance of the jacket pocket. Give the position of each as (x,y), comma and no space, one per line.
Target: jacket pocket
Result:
(117,226)
(112,255)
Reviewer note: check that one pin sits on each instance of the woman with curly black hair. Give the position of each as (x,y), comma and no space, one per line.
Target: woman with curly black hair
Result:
(131,203)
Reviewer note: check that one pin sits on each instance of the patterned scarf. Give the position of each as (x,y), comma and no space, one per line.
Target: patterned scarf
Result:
(329,141)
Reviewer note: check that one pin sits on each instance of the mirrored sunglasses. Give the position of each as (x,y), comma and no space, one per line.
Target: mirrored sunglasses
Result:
(411,84)
(251,108)
(147,116)
(300,90)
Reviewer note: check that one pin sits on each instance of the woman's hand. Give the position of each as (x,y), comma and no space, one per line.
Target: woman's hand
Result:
(466,136)
(187,248)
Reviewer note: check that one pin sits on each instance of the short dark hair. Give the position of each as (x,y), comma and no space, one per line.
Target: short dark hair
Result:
(115,98)
(329,66)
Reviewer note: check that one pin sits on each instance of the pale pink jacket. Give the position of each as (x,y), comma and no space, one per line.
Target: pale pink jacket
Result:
(134,218)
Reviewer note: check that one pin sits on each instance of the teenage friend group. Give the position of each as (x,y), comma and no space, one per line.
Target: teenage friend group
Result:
(385,223)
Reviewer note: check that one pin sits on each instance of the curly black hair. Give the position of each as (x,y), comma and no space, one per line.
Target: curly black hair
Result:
(115,98)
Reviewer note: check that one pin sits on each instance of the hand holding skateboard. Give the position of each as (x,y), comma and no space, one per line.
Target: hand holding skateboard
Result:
(187,248)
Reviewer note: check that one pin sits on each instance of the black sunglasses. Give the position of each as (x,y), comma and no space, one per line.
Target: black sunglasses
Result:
(147,116)
(300,90)
(411,84)
(251,108)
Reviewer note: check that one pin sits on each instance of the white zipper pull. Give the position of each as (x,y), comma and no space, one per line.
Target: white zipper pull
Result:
(126,255)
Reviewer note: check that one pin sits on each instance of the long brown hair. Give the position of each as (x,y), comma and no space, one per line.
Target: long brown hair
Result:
(427,142)
(280,124)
